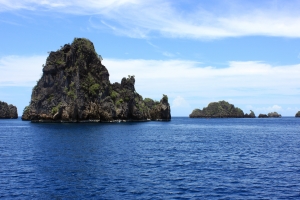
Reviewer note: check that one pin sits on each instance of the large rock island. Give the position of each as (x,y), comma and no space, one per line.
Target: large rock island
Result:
(8,111)
(221,109)
(75,87)
(297,114)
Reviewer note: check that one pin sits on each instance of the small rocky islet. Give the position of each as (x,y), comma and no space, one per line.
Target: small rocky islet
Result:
(8,111)
(75,87)
(270,115)
(221,109)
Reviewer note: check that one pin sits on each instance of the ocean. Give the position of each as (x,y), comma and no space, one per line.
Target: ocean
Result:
(181,159)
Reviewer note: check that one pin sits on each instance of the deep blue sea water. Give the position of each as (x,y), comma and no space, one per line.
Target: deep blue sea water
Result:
(181,159)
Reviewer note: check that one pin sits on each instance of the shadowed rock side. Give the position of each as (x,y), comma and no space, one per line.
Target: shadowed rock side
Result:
(159,110)
(250,115)
(8,111)
(270,115)
(221,109)
(297,114)
(75,87)
(262,116)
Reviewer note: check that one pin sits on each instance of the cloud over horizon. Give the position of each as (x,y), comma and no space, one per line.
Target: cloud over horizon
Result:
(177,76)
(187,83)
(143,19)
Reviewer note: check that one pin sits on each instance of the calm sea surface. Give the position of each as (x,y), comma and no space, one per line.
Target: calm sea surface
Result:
(182,159)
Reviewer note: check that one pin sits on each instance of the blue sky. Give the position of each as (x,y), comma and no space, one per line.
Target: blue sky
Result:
(196,52)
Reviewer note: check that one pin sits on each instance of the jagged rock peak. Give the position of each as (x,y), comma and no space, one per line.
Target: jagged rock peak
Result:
(8,111)
(250,115)
(75,87)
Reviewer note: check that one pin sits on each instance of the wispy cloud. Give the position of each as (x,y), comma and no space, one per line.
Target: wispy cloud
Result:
(145,18)
(20,70)
(158,49)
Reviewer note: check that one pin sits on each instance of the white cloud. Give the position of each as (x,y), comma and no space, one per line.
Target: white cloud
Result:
(143,18)
(181,76)
(80,7)
(180,102)
(275,107)
(168,54)
(20,70)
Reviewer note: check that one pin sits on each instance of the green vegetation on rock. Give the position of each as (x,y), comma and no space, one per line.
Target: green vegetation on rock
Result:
(221,109)
(8,111)
(55,109)
(74,77)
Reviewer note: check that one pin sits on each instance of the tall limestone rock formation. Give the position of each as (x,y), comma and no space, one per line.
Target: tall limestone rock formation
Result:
(75,87)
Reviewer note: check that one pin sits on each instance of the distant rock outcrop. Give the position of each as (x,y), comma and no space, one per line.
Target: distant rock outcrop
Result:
(262,116)
(270,115)
(297,114)
(8,111)
(250,115)
(221,109)
(159,110)
(274,114)
(75,87)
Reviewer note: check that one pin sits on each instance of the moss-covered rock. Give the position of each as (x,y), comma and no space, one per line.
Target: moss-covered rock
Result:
(8,111)
(75,87)
(221,109)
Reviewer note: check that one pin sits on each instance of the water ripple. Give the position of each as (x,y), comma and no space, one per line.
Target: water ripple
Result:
(181,159)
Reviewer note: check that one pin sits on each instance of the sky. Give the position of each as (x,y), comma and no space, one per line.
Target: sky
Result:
(246,52)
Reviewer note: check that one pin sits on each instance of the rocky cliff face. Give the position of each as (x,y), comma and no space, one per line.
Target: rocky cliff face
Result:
(297,114)
(221,109)
(8,111)
(75,87)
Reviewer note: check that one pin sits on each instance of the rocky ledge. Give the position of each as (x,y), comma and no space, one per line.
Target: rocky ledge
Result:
(297,114)
(270,115)
(221,109)
(8,111)
(75,87)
